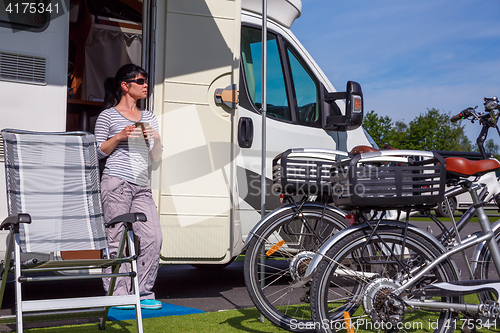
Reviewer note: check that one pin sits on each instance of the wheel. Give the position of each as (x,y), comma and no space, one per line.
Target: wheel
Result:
(359,278)
(486,270)
(288,245)
(442,209)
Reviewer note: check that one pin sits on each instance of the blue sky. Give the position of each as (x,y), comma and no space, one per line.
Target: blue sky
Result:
(408,55)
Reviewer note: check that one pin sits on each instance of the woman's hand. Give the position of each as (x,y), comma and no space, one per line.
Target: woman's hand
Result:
(131,131)
(156,150)
(150,133)
(128,132)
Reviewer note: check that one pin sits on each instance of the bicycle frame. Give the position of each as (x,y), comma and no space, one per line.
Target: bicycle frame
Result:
(346,232)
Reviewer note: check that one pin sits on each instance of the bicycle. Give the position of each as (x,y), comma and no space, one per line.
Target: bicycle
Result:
(490,182)
(282,244)
(488,120)
(383,271)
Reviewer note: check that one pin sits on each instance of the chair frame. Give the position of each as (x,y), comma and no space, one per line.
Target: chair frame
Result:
(76,307)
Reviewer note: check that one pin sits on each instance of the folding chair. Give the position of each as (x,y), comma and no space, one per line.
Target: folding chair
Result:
(54,202)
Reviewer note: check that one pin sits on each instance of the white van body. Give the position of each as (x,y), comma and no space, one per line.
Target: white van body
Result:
(463,201)
(207,187)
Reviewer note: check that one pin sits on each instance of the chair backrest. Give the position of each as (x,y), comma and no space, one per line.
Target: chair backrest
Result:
(54,177)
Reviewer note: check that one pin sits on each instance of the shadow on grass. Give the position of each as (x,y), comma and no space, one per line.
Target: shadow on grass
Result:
(242,320)
(249,321)
(111,327)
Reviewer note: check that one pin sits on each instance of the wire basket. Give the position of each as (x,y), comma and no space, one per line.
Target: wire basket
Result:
(389,179)
(304,171)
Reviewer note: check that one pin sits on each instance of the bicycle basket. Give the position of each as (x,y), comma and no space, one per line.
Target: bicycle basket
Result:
(304,171)
(389,179)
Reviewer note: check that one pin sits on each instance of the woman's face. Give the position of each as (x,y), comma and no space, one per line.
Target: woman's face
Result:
(136,90)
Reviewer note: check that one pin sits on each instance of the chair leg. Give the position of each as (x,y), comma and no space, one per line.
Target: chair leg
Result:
(121,250)
(17,275)
(6,268)
(112,282)
(127,239)
(135,282)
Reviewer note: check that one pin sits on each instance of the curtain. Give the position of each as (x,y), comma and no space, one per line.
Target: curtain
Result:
(105,52)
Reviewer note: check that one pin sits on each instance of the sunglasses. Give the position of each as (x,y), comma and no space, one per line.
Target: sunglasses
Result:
(138,81)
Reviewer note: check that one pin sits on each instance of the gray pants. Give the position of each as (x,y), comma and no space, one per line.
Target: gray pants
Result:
(121,197)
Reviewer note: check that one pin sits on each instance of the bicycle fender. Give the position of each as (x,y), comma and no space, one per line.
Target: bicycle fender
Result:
(275,212)
(480,246)
(346,232)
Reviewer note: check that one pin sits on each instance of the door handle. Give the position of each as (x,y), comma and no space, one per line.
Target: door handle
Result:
(245,132)
(227,96)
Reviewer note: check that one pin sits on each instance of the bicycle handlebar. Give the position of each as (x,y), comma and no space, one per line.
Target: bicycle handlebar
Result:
(462,115)
(490,104)
(487,119)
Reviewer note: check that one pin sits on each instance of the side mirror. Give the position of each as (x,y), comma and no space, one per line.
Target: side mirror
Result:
(354,105)
(353,108)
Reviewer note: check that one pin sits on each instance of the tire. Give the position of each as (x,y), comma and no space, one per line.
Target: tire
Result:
(281,304)
(442,209)
(343,282)
(486,270)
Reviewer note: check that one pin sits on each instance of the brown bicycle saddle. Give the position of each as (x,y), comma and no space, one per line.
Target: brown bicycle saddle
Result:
(362,149)
(463,167)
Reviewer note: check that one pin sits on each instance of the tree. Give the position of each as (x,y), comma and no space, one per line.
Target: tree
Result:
(381,129)
(398,136)
(491,147)
(432,130)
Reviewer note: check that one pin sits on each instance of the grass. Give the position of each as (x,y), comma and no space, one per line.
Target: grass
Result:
(492,215)
(242,320)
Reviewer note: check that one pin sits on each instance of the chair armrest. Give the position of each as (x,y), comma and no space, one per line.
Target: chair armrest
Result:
(15,220)
(128,218)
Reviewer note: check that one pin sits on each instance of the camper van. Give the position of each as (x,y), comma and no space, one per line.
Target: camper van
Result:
(204,58)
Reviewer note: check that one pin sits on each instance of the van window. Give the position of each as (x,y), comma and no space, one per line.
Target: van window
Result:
(251,50)
(28,15)
(306,93)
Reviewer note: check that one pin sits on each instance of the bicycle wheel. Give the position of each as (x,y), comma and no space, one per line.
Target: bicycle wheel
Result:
(486,270)
(288,244)
(357,276)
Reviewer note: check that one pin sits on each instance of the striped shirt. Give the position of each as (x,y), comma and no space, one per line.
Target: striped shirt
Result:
(130,159)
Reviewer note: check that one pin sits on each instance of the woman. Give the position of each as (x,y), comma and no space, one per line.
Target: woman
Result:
(128,137)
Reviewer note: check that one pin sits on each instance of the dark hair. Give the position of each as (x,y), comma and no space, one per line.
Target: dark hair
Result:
(112,85)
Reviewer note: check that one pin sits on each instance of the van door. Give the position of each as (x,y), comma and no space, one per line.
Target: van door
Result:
(294,113)
(197,53)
